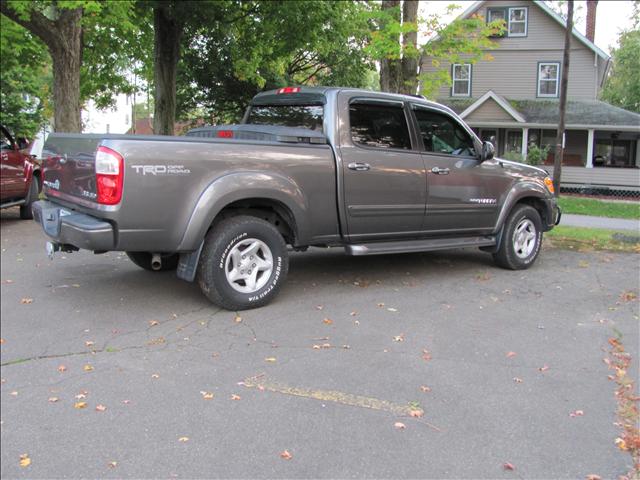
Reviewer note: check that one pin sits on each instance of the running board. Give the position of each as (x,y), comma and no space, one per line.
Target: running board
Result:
(13,203)
(409,246)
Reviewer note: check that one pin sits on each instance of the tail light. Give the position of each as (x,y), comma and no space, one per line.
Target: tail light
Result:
(225,133)
(289,90)
(109,176)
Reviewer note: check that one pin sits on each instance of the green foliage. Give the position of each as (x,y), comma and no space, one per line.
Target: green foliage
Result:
(537,155)
(622,87)
(599,208)
(25,80)
(237,48)
(512,156)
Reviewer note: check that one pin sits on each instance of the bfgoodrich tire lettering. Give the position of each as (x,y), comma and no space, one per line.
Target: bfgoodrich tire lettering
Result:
(243,263)
(521,239)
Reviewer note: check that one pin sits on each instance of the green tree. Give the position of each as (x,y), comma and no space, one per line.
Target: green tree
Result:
(75,31)
(25,72)
(622,87)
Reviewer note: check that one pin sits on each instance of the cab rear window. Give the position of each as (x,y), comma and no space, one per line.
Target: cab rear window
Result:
(296,116)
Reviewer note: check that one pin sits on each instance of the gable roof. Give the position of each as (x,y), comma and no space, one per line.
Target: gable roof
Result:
(549,11)
(506,106)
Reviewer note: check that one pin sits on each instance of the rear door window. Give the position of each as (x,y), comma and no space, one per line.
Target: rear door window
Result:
(379,126)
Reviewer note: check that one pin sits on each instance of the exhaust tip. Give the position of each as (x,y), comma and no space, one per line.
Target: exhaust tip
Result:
(156,261)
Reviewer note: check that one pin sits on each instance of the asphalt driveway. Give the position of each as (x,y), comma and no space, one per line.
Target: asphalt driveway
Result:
(111,371)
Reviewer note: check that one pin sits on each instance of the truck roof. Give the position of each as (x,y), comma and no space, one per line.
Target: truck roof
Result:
(318,95)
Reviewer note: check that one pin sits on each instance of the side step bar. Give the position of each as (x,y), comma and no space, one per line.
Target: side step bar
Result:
(13,204)
(409,246)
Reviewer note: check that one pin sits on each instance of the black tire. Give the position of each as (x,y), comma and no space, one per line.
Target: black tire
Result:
(32,196)
(143,260)
(512,254)
(229,238)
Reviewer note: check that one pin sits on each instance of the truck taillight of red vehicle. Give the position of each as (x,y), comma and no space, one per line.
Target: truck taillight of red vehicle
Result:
(109,176)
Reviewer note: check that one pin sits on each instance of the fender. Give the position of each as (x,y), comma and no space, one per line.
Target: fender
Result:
(519,191)
(240,186)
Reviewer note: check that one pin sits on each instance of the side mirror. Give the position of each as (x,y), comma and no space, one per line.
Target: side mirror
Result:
(22,143)
(488,151)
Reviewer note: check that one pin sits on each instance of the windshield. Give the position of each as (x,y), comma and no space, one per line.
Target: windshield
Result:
(297,116)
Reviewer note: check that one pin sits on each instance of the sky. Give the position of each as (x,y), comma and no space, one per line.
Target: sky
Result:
(611,17)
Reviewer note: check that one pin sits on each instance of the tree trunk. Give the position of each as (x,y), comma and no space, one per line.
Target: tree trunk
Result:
(409,77)
(166,51)
(557,161)
(390,67)
(63,38)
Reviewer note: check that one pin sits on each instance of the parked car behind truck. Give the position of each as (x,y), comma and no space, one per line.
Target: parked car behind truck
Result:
(20,175)
(373,172)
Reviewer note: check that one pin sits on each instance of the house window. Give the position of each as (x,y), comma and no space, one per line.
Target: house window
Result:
(517,26)
(461,80)
(498,14)
(548,79)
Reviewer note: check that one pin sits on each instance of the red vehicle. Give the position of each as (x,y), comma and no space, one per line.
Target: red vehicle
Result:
(20,177)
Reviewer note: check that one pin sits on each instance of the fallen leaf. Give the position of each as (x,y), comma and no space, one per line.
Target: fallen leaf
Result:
(416,413)
(593,476)
(511,354)
(25,461)
(80,396)
(112,464)
(424,388)
(126,402)
(237,319)
(1,341)
(101,408)
(155,375)
(53,399)
(89,343)
(399,338)
(206,395)
(14,393)
(544,368)
(26,301)
(286,455)
(319,307)
(153,323)
(381,305)
(157,341)
(62,368)
(628,296)
(392,309)
(517,379)
(88,368)
(508,466)
(399,425)
(235,397)
(583,264)
(483,277)
(183,439)
(354,313)
(80,405)
(7,281)
(621,444)
(316,347)
(270,359)
(327,321)
(346,347)
(577,413)
(426,355)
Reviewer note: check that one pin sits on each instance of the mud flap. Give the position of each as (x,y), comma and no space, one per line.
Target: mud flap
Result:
(188,265)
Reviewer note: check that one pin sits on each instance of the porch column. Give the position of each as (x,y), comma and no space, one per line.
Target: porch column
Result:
(525,143)
(590,142)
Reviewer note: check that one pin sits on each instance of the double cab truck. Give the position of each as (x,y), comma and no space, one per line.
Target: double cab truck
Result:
(372,172)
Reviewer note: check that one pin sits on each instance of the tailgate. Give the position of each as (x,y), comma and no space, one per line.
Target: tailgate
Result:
(68,166)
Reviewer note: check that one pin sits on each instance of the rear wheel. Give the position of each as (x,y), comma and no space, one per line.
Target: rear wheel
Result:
(32,196)
(521,240)
(143,260)
(243,264)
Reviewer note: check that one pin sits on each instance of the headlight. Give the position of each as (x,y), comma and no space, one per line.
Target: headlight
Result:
(549,184)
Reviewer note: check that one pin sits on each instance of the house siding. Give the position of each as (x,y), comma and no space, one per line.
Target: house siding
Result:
(513,72)
(489,111)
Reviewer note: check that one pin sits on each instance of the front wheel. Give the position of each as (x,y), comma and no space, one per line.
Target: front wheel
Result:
(243,263)
(521,240)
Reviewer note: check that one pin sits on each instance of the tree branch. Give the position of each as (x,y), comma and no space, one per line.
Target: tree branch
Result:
(37,24)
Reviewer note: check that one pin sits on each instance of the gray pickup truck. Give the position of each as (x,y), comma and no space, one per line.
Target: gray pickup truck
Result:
(372,172)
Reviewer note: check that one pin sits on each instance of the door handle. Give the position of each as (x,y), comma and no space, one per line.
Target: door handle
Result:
(440,171)
(360,167)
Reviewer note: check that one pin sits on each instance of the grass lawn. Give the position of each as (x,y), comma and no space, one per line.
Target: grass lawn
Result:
(589,239)
(599,208)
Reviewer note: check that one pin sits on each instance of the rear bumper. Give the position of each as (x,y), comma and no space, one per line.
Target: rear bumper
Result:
(73,228)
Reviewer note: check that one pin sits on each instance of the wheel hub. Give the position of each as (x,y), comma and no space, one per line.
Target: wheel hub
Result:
(249,265)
